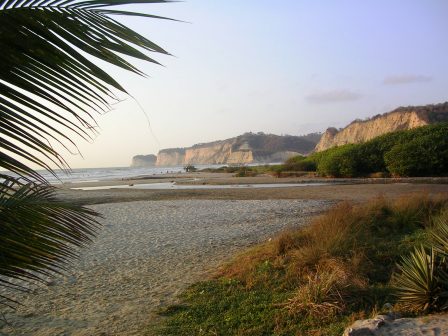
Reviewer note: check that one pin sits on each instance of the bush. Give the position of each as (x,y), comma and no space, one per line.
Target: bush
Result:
(305,165)
(298,163)
(245,172)
(422,151)
(340,162)
(422,156)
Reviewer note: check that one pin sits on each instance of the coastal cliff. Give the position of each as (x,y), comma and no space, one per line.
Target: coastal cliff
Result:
(140,161)
(244,149)
(402,118)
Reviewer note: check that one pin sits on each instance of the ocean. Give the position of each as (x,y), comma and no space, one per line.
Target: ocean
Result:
(111,173)
(116,173)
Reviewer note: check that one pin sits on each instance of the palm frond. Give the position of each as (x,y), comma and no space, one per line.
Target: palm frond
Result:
(39,234)
(50,90)
(439,234)
(421,285)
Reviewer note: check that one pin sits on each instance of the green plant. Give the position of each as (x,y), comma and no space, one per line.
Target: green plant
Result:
(421,285)
(340,162)
(422,156)
(38,232)
(422,151)
(49,94)
(439,234)
(313,280)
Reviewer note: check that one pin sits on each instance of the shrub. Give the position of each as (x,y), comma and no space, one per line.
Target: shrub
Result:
(422,156)
(298,163)
(341,161)
(422,151)
(422,284)
(245,172)
(304,165)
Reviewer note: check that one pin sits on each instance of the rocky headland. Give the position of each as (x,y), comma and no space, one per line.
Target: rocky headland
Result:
(244,149)
(267,148)
(402,118)
(139,161)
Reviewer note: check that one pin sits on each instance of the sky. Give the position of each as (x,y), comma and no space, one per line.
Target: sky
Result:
(290,67)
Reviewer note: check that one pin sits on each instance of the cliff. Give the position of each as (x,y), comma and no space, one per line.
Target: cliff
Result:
(402,118)
(139,161)
(244,149)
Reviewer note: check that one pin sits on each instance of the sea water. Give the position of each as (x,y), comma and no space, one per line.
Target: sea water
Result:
(112,173)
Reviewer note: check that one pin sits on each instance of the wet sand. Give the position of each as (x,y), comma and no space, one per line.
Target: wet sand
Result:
(345,189)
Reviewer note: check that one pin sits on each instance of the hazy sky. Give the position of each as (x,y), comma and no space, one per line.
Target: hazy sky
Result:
(283,67)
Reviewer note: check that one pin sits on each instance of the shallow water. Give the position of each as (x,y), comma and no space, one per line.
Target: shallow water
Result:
(175,186)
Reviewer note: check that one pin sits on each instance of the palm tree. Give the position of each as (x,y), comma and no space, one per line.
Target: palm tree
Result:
(50,92)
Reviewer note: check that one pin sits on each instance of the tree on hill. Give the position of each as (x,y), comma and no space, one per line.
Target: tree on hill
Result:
(49,93)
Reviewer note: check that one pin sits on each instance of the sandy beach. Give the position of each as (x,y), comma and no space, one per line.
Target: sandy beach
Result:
(146,254)
(156,242)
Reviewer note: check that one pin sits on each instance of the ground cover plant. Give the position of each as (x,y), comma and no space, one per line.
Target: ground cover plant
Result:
(311,281)
(242,170)
(422,151)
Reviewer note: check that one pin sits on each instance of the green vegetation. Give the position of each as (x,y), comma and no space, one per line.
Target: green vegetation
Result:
(422,151)
(49,95)
(422,283)
(242,170)
(311,281)
(299,163)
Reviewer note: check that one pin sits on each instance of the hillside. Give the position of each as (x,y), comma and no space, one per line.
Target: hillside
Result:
(243,149)
(402,118)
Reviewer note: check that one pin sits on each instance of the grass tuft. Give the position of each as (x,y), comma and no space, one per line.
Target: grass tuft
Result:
(314,280)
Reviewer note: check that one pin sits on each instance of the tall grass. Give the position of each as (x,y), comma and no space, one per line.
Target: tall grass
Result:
(314,280)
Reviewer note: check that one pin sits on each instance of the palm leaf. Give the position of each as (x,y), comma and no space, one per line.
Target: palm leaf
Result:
(439,234)
(39,233)
(50,90)
(421,284)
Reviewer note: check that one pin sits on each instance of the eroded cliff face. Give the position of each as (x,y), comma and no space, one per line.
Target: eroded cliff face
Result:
(402,118)
(171,157)
(244,149)
(215,153)
(140,161)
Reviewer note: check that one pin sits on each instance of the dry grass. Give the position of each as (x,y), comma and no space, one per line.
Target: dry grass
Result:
(338,254)
(325,292)
(314,280)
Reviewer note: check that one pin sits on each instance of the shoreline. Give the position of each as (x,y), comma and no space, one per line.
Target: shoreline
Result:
(335,189)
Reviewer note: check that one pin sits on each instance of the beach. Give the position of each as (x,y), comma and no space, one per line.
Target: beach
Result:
(147,252)
(154,243)
(307,188)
